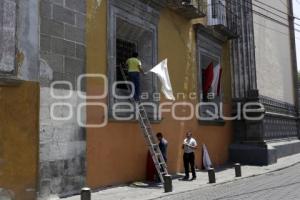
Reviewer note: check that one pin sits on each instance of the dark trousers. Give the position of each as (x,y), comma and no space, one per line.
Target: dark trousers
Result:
(189,161)
(134,77)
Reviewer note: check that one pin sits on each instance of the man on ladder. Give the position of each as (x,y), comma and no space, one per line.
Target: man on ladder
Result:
(134,69)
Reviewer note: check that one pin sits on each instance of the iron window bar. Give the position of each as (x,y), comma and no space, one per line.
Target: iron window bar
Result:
(221,13)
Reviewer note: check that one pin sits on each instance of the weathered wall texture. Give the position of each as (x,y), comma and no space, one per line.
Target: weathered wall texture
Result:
(19,103)
(19,140)
(62,58)
(62,40)
(117,153)
(19,33)
(7,36)
(62,146)
(273,56)
(27,51)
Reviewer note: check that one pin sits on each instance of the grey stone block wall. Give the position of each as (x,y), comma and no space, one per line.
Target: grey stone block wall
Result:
(62,157)
(7,36)
(62,58)
(62,41)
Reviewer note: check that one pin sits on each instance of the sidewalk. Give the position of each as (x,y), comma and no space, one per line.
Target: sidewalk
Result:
(141,192)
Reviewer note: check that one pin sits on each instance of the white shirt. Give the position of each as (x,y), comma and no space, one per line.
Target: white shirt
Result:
(190,142)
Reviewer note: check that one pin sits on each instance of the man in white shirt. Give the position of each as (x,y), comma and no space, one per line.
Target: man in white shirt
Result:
(189,145)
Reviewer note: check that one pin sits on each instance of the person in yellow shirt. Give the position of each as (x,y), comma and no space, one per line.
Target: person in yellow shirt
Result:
(134,69)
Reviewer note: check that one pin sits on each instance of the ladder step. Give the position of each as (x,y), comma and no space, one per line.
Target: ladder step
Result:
(162,163)
(148,136)
(149,130)
(163,170)
(158,155)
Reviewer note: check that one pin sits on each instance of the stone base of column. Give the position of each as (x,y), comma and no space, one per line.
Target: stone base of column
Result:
(251,154)
(255,153)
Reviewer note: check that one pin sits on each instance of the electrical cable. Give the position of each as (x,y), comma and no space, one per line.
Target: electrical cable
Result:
(298,38)
(265,16)
(273,12)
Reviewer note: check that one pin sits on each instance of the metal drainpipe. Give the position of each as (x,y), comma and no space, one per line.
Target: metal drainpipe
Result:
(294,59)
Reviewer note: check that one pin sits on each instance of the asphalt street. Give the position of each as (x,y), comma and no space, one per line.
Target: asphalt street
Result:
(278,185)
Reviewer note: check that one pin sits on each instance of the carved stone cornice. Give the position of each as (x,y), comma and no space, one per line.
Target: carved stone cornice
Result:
(277,106)
(157,4)
(191,9)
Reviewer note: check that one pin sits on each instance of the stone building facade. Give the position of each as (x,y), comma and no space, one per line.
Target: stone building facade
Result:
(47,45)
(158,30)
(42,42)
(265,50)
(62,58)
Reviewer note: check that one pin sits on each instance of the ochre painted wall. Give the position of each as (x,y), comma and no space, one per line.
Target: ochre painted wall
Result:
(176,41)
(19,139)
(117,153)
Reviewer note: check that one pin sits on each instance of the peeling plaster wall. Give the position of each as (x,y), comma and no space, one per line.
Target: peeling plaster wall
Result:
(19,102)
(7,36)
(44,41)
(62,58)
(19,33)
(27,60)
(62,145)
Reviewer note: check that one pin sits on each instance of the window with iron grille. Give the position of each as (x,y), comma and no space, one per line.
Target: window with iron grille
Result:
(124,50)
(214,8)
(210,78)
(128,32)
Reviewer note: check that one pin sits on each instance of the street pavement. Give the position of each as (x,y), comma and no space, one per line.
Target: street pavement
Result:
(257,183)
(279,185)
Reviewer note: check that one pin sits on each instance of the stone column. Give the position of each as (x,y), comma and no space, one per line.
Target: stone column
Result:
(249,147)
(294,60)
(244,84)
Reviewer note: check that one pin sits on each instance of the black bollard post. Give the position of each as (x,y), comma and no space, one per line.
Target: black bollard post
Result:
(238,170)
(211,175)
(85,194)
(168,183)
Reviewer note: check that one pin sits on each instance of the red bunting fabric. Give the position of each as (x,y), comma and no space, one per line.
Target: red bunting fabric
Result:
(208,77)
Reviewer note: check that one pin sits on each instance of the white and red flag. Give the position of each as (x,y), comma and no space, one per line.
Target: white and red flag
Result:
(215,86)
(212,79)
